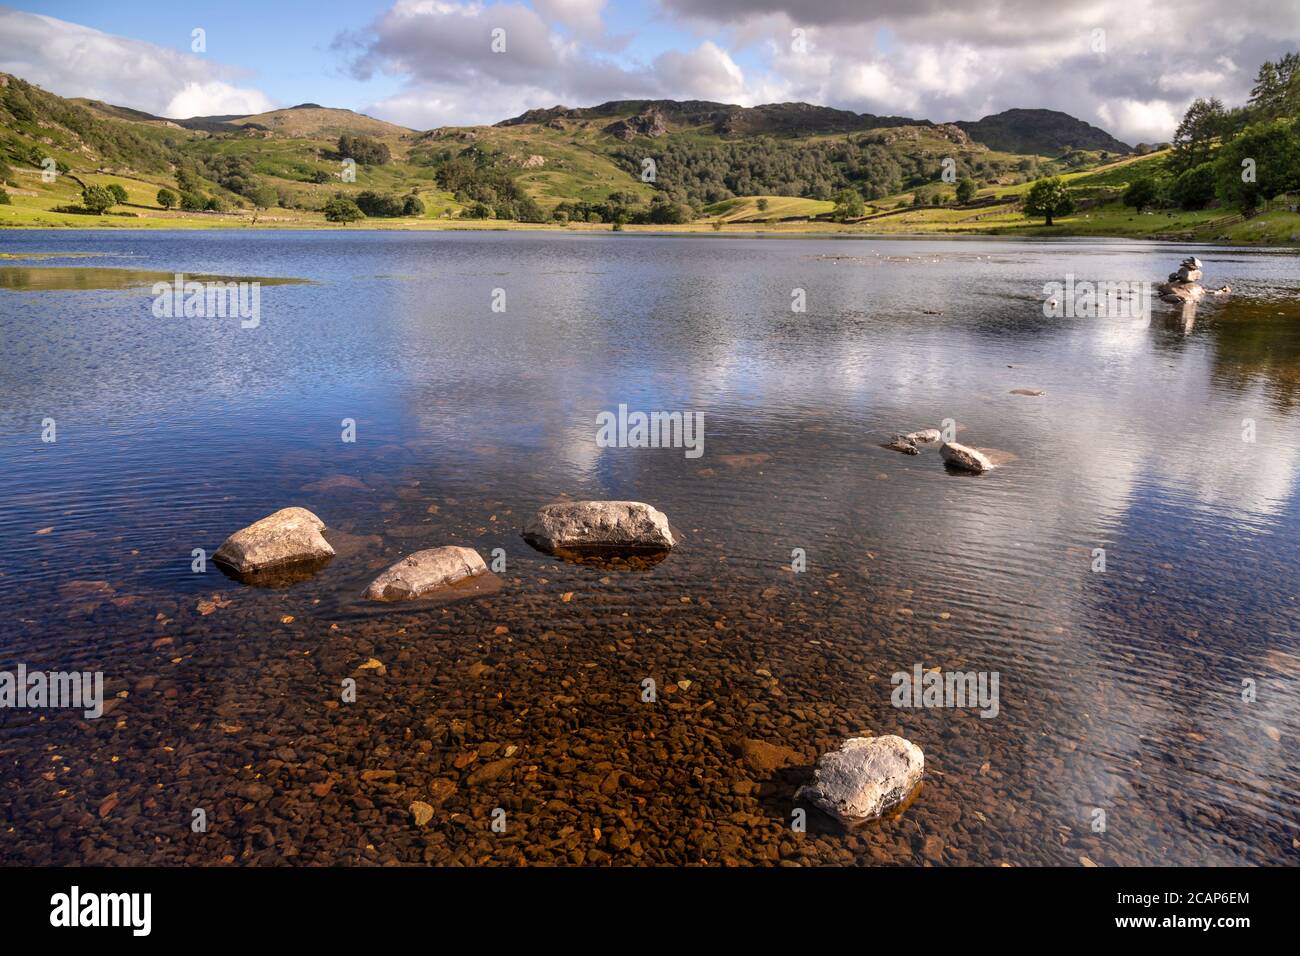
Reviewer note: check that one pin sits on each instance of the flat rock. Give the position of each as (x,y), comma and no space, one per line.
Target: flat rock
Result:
(865,779)
(965,457)
(424,571)
(924,436)
(605,525)
(763,757)
(289,538)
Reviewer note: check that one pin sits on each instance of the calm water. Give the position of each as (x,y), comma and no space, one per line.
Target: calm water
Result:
(1120,691)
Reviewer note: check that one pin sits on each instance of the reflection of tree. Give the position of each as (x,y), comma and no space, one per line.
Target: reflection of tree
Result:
(1254,343)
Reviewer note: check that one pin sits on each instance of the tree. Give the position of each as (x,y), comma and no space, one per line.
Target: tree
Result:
(1203,124)
(363,149)
(412,206)
(1277,88)
(663,211)
(966,190)
(342,209)
(379,205)
(1261,163)
(167,198)
(1141,193)
(97,199)
(763,204)
(1194,189)
(848,205)
(4,197)
(119,193)
(263,197)
(1048,198)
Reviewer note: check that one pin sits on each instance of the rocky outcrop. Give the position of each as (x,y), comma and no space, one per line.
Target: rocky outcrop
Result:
(278,548)
(965,458)
(865,779)
(578,526)
(423,572)
(649,122)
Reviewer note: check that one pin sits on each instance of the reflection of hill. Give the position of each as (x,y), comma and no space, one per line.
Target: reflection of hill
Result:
(1258,342)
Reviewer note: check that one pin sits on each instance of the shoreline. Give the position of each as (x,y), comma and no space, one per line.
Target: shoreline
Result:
(1056,233)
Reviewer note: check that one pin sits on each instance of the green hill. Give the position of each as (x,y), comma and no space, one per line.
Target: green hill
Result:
(689,164)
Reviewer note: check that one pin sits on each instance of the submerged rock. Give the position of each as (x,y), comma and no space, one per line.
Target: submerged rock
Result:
(424,571)
(965,458)
(626,526)
(866,778)
(902,443)
(280,548)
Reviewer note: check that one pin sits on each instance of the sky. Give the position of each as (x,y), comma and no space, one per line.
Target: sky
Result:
(1128,66)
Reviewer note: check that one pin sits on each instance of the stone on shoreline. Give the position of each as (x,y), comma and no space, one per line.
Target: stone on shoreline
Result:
(424,571)
(865,779)
(965,458)
(289,538)
(599,525)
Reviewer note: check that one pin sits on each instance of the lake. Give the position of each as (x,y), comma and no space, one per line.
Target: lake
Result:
(1146,713)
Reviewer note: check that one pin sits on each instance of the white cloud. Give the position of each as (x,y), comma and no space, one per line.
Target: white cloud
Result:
(73,60)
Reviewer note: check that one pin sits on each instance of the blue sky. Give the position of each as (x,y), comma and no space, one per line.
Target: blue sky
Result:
(426,63)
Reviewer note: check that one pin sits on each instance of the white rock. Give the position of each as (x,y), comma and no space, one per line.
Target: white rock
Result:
(866,778)
(290,536)
(424,571)
(599,524)
(965,457)
(926,436)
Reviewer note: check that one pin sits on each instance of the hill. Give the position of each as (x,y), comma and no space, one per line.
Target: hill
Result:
(1041,132)
(696,164)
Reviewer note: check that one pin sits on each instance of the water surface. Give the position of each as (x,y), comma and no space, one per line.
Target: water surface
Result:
(1120,691)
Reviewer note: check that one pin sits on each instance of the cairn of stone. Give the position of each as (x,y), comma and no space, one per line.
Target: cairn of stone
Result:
(1185,284)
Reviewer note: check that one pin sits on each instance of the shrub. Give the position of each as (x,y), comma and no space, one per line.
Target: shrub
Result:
(342,209)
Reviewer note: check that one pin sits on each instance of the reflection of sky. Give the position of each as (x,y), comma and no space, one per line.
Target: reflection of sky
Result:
(1136,446)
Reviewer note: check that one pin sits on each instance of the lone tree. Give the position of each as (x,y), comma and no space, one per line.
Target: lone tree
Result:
(97,199)
(1048,198)
(118,191)
(167,198)
(1141,193)
(966,190)
(848,205)
(263,197)
(342,209)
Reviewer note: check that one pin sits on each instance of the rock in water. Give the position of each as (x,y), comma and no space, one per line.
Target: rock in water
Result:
(926,436)
(965,458)
(282,547)
(902,443)
(599,526)
(866,778)
(424,571)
